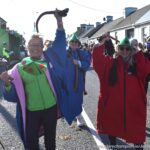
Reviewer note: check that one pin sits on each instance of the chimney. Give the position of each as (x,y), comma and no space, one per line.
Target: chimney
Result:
(128,11)
(97,24)
(89,26)
(78,29)
(109,18)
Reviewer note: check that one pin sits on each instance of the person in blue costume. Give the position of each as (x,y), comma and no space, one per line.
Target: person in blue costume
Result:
(78,62)
(42,71)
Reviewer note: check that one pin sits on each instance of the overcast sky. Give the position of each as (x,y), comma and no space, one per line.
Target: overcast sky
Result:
(20,15)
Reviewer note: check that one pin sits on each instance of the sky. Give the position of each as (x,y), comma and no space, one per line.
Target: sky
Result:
(20,15)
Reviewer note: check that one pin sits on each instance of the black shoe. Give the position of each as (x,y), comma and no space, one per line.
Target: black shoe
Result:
(85,92)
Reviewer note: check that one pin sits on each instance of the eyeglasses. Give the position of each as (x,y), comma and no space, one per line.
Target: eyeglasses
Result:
(35,46)
(122,48)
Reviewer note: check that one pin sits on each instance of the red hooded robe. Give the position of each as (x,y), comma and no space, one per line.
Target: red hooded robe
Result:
(121,108)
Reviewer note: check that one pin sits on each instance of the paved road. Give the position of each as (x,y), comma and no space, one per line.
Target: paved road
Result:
(93,90)
(68,137)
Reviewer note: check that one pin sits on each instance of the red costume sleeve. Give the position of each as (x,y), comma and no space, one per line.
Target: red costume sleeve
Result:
(100,60)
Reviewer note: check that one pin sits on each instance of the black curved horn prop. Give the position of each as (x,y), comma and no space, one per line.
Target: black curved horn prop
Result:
(62,13)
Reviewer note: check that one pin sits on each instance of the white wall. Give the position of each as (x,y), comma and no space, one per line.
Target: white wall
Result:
(120,35)
(139,32)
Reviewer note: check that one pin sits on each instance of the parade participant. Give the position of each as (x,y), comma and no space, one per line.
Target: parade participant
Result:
(37,85)
(134,43)
(147,55)
(85,47)
(141,46)
(78,63)
(23,52)
(122,101)
(47,43)
(147,51)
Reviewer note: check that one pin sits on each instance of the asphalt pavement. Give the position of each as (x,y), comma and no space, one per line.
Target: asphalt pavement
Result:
(68,137)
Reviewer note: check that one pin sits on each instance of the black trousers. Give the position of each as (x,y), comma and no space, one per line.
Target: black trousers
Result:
(48,119)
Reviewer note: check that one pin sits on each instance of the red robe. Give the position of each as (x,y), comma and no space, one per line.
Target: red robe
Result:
(122,108)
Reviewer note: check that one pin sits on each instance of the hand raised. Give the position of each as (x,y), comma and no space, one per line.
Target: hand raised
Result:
(6,78)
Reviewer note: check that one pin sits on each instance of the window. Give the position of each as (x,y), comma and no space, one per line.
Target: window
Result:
(130,33)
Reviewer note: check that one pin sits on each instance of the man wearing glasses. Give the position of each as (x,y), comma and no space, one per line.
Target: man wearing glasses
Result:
(36,85)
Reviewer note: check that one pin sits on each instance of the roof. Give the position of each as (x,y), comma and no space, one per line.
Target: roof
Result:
(2,21)
(95,30)
(140,16)
(90,32)
(144,18)
(132,18)
(106,28)
(85,33)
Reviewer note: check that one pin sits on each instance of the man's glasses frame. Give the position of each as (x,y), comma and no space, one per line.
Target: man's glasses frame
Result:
(35,46)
